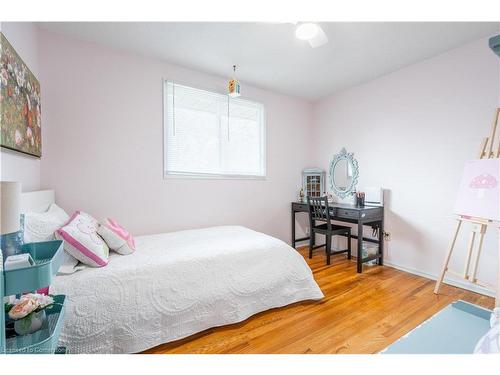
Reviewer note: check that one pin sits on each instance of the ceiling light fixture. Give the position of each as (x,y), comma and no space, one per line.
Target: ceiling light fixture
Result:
(234,87)
(306,31)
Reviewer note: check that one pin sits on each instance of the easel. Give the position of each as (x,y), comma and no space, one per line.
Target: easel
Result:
(488,150)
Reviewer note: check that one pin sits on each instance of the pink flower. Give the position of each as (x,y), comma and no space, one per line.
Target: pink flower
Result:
(29,135)
(44,300)
(28,303)
(4,77)
(483,181)
(22,309)
(38,117)
(18,137)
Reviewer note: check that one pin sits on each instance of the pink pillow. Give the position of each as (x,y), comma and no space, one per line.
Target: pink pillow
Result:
(116,237)
(82,241)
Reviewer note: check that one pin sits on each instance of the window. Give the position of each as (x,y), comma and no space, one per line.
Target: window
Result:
(208,134)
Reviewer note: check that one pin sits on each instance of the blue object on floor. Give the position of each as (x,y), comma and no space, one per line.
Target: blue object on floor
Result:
(454,330)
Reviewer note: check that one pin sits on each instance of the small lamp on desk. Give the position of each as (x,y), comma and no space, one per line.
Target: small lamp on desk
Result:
(10,223)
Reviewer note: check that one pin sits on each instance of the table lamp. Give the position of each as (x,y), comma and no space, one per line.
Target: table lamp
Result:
(10,219)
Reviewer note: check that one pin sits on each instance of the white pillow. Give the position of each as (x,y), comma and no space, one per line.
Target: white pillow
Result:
(490,342)
(495,317)
(82,241)
(116,237)
(39,227)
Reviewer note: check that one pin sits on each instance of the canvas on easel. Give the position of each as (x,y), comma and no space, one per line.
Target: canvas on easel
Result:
(479,192)
(478,203)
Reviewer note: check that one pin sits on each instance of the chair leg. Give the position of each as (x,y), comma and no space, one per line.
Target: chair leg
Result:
(311,244)
(328,248)
(359,263)
(349,245)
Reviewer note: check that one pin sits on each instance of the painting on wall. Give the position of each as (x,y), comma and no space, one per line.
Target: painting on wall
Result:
(479,192)
(20,108)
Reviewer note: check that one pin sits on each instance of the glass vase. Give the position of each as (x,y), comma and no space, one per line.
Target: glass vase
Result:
(30,323)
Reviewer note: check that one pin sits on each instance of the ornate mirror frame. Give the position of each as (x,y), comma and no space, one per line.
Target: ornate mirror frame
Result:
(349,156)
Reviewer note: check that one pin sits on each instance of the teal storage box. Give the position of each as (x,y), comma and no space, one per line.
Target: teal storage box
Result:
(47,256)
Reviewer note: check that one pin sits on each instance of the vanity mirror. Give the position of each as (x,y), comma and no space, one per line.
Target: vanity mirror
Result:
(344,174)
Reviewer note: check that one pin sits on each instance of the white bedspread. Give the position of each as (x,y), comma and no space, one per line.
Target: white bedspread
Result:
(177,284)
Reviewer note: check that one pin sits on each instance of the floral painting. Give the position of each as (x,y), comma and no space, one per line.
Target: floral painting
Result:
(20,110)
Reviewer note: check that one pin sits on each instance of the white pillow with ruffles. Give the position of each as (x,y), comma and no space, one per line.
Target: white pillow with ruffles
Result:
(40,227)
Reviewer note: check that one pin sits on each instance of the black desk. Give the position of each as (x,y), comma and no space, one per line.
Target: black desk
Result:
(367,215)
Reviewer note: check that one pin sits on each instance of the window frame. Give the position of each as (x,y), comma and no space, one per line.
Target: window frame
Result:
(210,176)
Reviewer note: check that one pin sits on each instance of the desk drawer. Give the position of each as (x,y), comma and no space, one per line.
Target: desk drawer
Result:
(372,214)
(347,214)
(301,207)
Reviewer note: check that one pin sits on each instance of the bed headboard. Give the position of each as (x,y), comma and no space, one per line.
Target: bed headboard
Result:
(37,201)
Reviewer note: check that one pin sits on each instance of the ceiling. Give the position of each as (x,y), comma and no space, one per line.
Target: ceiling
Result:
(269,56)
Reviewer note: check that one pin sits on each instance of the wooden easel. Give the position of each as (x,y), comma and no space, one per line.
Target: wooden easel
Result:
(489,149)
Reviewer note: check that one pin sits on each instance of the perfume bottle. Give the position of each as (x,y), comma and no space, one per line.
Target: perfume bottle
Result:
(301,195)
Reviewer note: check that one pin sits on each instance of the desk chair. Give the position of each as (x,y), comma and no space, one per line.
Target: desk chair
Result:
(320,211)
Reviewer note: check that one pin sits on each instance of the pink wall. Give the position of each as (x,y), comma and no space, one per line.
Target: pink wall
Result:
(16,166)
(411,132)
(103,145)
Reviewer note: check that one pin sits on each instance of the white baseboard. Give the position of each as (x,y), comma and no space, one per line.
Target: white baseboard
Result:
(455,282)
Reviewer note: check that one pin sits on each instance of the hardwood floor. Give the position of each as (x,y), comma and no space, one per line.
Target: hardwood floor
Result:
(361,313)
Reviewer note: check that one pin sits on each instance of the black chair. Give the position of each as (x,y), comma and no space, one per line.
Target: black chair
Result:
(319,211)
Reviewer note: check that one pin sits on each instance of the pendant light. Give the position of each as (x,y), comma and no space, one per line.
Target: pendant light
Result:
(234,90)
(234,87)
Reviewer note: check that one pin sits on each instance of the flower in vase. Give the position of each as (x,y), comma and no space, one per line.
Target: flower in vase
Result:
(44,300)
(28,303)
(22,309)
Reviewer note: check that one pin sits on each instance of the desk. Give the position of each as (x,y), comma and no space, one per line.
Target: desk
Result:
(367,215)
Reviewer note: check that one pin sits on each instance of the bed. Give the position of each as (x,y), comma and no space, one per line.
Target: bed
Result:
(177,284)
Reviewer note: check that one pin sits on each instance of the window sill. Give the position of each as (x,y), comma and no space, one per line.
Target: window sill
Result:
(201,176)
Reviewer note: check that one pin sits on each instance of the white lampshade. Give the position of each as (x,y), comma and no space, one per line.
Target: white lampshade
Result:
(10,206)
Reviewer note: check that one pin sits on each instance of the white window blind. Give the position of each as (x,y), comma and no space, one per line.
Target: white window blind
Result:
(211,135)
